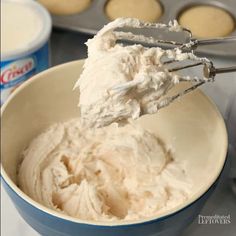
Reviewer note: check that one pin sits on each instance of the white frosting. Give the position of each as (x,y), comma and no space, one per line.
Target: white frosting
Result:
(119,82)
(111,173)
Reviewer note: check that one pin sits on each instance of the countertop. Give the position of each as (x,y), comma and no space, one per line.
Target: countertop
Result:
(68,46)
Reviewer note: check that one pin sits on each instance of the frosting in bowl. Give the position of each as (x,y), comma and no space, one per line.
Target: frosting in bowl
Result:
(110,173)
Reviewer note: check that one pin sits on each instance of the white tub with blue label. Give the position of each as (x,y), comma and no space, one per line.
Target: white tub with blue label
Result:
(25,31)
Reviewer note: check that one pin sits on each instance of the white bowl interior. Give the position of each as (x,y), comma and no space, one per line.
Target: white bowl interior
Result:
(192,126)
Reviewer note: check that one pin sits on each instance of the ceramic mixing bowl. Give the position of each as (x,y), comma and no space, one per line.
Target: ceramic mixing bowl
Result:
(192,126)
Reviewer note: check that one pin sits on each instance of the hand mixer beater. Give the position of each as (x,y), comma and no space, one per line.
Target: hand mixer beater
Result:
(179,58)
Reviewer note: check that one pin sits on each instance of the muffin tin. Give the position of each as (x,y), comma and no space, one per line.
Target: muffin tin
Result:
(94,18)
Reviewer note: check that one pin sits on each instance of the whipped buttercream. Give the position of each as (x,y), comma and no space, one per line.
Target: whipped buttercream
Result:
(122,81)
(111,173)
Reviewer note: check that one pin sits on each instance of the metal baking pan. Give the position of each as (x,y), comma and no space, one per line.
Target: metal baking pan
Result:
(94,18)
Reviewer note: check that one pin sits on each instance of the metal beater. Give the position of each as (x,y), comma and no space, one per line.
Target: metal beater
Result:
(190,44)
